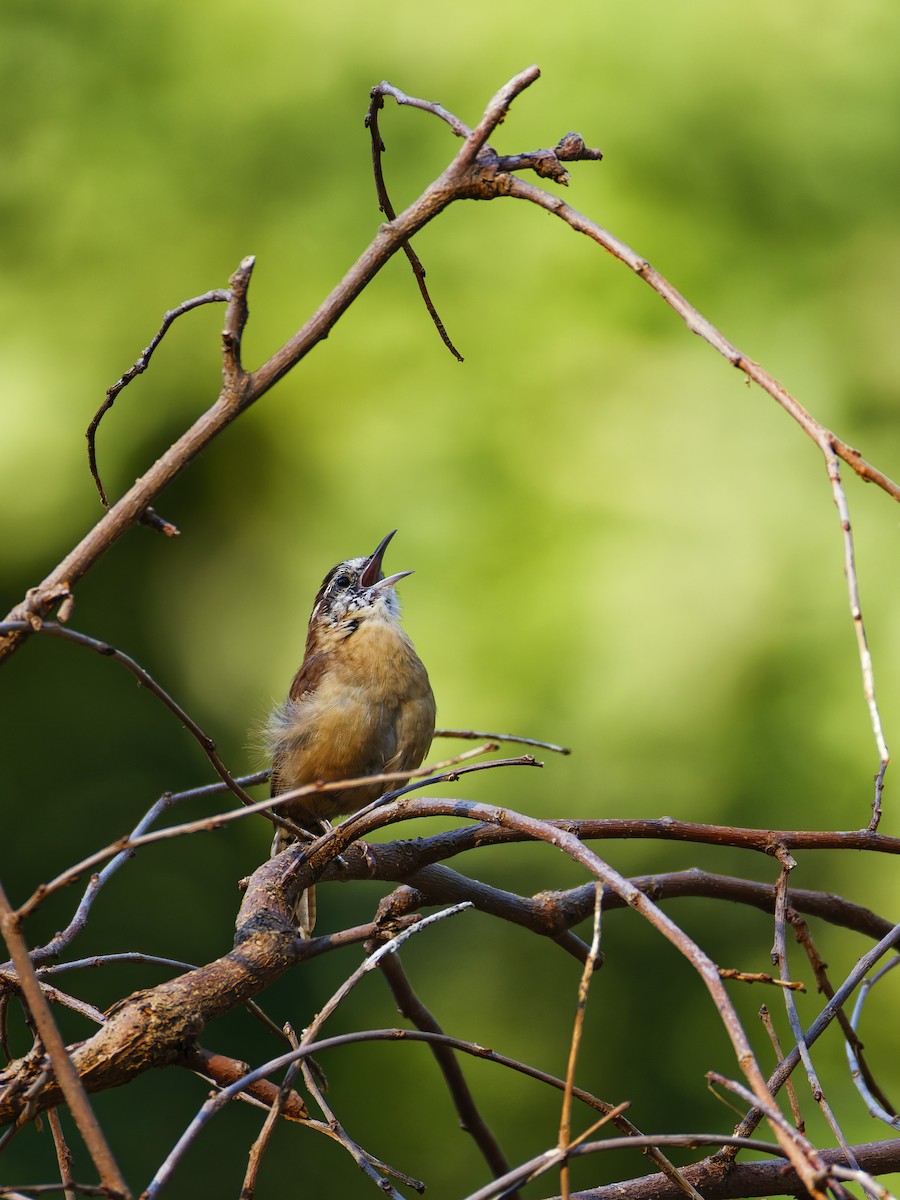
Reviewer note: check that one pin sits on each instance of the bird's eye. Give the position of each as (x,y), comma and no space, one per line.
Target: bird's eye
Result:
(343,580)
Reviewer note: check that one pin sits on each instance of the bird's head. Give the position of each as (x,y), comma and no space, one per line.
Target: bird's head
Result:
(355,591)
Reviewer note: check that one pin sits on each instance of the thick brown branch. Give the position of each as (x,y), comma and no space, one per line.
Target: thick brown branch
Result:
(552,914)
(763,841)
(715,1182)
(224,1071)
(157,1026)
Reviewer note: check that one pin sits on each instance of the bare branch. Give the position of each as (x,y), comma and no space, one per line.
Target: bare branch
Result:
(865,657)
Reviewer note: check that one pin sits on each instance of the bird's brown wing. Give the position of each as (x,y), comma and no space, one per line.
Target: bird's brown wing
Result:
(304,684)
(307,678)
(414,726)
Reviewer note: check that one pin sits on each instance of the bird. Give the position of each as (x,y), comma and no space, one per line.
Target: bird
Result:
(360,704)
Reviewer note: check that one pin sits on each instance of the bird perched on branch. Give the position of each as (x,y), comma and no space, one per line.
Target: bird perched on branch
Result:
(360,704)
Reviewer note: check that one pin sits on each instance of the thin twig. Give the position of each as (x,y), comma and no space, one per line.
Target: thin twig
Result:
(372,1167)
(475,735)
(217,296)
(766,1018)
(369,963)
(387,89)
(49,1189)
(565,1118)
(10,981)
(761,977)
(865,657)
(106,960)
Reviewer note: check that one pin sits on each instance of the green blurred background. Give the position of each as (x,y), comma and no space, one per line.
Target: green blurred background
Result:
(618,544)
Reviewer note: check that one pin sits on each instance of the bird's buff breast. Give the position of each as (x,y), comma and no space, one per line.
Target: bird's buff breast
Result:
(373,698)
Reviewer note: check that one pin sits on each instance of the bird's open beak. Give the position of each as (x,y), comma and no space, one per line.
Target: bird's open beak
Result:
(372,569)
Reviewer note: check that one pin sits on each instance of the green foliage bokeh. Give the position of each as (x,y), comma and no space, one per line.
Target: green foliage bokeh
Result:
(618,544)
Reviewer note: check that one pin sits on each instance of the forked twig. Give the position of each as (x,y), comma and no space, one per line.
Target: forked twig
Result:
(385,206)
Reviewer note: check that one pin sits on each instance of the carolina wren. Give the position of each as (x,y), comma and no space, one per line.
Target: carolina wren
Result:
(360,704)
